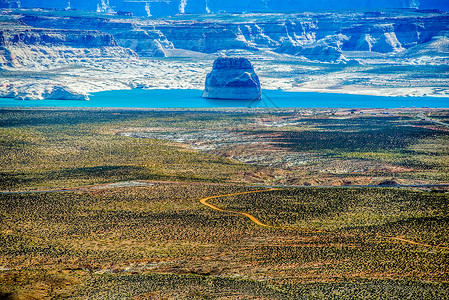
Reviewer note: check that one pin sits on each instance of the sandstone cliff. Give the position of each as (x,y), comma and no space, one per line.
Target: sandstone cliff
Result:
(42,51)
(314,36)
(232,78)
(23,46)
(317,36)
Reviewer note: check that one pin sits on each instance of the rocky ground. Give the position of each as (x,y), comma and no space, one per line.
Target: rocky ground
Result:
(264,142)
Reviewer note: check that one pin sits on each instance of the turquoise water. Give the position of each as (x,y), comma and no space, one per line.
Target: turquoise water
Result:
(192,99)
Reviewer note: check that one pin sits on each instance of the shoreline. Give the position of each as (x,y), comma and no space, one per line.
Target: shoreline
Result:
(340,111)
(362,91)
(340,91)
(188,99)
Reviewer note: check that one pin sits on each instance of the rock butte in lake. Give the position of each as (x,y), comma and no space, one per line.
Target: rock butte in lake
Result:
(87,53)
(232,78)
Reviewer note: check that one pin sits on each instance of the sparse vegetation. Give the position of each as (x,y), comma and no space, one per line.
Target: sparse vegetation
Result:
(57,240)
(75,148)
(158,241)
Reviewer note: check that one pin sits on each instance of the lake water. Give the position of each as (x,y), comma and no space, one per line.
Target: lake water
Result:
(192,99)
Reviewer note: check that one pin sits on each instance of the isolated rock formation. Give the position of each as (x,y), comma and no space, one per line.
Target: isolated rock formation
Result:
(232,78)
(55,44)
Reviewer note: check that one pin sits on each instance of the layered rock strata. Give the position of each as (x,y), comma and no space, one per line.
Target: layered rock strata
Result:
(232,78)
(22,46)
(40,54)
(315,36)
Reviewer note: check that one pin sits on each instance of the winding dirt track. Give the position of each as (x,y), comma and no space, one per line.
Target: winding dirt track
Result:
(204,202)
(251,217)
(256,221)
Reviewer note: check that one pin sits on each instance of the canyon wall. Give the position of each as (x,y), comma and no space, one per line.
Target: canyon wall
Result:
(315,36)
(22,46)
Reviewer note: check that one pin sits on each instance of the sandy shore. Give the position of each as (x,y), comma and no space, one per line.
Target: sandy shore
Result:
(280,72)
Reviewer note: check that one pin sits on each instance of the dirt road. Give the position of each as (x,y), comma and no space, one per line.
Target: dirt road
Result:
(251,217)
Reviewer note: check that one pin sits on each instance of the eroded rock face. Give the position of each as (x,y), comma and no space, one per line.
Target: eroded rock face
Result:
(23,46)
(315,36)
(232,78)
(42,91)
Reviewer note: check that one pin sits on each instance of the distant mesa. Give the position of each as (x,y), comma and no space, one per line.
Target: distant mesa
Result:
(232,78)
